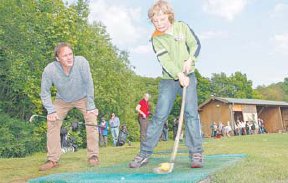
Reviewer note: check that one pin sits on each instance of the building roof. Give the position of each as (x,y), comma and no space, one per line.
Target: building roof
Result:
(247,101)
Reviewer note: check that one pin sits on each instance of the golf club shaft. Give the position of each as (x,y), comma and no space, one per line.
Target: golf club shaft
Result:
(181,117)
(87,124)
(81,123)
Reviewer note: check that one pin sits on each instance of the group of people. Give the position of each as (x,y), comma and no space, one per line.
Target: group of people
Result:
(220,130)
(240,128)
(114,125)
(249,127)
(176,47)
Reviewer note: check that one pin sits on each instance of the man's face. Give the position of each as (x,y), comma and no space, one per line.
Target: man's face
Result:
(65,57)
(161,22)
(146,97)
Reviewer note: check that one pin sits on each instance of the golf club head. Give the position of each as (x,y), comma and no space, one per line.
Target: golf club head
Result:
(160,170)
(32,118)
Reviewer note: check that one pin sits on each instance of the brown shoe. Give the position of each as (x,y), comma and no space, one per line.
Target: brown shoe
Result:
(48,165)
(93,161)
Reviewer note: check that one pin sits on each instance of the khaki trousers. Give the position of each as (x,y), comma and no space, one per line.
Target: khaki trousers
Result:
(143,122)
(53,129)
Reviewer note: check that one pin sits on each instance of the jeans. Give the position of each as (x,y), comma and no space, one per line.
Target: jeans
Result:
(115,133)
(103,140)
(168,90)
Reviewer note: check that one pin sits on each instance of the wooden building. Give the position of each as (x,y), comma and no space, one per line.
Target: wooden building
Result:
(217,109)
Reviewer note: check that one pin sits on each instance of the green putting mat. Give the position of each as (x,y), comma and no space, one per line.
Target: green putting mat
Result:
(121,173)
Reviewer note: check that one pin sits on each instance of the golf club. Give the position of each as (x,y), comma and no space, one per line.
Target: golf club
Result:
(31,119)
(165,168)
(35,115)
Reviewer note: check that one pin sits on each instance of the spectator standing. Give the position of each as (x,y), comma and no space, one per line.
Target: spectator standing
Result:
(253,127)
(220,128)
(215,128)
(165,131)
(114,126)
(261,126)
(228,129)
(237,128)
(143,115)
(243,128)
(75,89)
(212,129)
(248,125)
(103,131)
(175,127)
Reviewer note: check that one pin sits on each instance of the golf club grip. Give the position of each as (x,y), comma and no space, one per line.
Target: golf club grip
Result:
(181,117)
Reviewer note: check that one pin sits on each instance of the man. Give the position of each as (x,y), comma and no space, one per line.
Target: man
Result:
(114,125)
(143,115)
(72,78)
(165,131)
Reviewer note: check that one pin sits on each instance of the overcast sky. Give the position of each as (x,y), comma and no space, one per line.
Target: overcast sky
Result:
(250,36)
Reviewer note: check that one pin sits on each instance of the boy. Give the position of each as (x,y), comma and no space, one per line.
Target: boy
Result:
(176,48)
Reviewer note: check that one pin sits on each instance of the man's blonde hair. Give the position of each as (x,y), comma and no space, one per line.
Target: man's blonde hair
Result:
(161,6)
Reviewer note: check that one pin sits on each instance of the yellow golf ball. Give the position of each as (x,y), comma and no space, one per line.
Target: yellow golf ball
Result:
(165,166)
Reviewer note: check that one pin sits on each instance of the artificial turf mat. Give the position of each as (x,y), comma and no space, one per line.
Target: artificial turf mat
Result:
(121,173)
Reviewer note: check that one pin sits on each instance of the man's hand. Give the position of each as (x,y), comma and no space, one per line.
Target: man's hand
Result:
(52,117)
(143,115)
(94,111)
(183,79)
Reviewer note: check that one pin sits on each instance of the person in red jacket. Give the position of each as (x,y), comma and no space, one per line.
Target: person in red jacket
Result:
(143,115)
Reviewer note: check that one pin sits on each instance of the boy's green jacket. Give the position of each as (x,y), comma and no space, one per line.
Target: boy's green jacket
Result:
(172,50)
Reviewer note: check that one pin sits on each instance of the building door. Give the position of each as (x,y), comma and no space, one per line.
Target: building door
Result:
(285,118)
(238,116)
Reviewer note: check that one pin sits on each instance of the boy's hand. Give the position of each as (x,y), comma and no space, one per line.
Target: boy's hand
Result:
(187,65)
(183,79)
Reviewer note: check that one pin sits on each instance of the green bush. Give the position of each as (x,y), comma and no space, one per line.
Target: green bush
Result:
(19,138)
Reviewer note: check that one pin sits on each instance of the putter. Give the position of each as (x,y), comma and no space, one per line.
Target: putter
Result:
(31,119)
(34,116)
(87,124)
(165,168)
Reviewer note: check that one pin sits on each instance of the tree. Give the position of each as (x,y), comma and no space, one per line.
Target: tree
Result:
(203,88)
(276,91)
(285,89)
(235,86)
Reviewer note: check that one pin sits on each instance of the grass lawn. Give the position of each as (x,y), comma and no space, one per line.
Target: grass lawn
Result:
(266,161)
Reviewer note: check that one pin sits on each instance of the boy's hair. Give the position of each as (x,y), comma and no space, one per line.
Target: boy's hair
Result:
(59,46)
(161,6)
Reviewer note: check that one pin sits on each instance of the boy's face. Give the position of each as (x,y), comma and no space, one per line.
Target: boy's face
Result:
(161,22)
